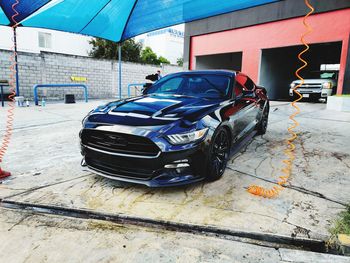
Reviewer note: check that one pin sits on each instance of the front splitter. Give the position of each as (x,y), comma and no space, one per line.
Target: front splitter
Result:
(156,182)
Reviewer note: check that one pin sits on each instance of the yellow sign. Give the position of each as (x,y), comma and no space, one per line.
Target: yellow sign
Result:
(78,79)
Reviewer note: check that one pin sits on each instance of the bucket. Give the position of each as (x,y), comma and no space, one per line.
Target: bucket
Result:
(19,101)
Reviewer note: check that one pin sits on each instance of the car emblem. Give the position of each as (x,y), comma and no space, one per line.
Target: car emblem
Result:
(115,139)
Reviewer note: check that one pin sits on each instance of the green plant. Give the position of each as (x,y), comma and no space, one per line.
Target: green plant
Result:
(163,60)
(342,225)
(107,49)
(149,57)
(180,62)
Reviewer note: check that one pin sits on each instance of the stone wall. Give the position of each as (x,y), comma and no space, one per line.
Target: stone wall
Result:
(50,68)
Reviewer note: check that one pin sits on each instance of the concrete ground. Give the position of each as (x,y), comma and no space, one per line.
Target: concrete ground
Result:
(45,161)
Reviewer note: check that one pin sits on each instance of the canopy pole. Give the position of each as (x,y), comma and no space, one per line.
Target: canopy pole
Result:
(16,60)
(120,69)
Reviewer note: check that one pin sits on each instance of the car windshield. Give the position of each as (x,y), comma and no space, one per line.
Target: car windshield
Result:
(328,75)
(320,75)
(194,85)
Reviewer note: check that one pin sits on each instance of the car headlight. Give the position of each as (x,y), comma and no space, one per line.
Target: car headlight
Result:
(184,138)
(292,85)
(85,118)
(327,85)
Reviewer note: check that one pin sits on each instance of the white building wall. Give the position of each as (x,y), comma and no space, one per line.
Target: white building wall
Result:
(62,42)
(165,43)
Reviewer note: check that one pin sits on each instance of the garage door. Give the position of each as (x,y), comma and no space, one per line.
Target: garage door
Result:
(279,64)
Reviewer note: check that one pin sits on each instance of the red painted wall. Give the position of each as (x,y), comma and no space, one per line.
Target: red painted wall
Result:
(327,27)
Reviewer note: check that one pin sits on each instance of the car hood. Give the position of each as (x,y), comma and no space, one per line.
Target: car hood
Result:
(153,110)
(313,81)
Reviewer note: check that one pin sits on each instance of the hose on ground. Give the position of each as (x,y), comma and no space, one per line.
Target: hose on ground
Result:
(290,146)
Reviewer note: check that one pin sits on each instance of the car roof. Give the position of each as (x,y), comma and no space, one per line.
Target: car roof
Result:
(230,73)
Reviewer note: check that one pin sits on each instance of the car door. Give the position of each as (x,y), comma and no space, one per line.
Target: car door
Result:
(250,85)
(236,110)
(249,108)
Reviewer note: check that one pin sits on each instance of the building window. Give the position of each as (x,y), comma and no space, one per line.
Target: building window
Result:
(45,40)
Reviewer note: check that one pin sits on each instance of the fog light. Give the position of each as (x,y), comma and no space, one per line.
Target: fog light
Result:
(181,161)
(176,165)
(83,163)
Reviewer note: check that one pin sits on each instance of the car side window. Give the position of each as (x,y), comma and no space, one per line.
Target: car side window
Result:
(245,82)
(249,84)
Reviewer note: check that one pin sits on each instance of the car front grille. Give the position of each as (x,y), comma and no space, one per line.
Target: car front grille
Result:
(309,90)
(112,169)
(119,143)
(311,86)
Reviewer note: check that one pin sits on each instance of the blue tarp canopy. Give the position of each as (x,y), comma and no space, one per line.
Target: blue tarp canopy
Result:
(24,9)
(116,20)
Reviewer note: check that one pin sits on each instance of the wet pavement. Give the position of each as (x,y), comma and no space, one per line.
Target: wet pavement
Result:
(45,160)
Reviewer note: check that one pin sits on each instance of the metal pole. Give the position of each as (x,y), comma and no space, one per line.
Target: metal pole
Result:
(16,60)
(35,89)
(120,69)
(2,96)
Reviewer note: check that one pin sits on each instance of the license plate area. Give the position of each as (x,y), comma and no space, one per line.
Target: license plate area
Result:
(306,95)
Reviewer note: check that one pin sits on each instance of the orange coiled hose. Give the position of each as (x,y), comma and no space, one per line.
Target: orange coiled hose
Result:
(289,151)
(12,104)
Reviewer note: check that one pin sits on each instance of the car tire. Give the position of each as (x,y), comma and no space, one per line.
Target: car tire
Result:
(218,154)
(261,127)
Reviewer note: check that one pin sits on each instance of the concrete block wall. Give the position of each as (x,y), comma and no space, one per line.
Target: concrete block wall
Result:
(29,65)
(51,68)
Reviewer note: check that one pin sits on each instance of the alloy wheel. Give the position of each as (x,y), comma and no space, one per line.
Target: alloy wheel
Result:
(220,153)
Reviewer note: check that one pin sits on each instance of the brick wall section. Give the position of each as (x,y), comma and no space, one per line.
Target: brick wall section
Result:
(50,68)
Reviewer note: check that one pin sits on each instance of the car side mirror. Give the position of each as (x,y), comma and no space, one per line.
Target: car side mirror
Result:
(262,88)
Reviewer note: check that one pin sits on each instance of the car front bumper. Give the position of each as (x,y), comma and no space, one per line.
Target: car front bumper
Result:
(167,169)
(319,93)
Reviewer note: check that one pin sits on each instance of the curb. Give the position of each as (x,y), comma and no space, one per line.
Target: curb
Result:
(272,240)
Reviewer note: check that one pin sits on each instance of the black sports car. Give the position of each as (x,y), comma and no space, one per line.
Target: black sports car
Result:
(183,129)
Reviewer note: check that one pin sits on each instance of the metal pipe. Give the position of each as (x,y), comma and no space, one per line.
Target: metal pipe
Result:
(35,89)
(16,60)
(134,85)
(2,96)
(120,69)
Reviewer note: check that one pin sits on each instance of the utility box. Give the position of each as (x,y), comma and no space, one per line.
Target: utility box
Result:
(3,83)
(69,98)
